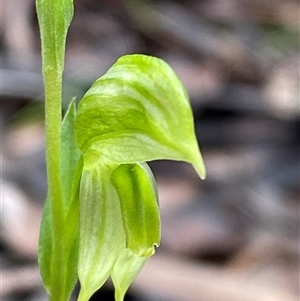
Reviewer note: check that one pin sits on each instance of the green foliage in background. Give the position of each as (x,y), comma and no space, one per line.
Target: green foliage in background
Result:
(101,217)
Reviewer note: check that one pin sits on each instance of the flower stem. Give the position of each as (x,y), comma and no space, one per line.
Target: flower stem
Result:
(53,100)
(54,18)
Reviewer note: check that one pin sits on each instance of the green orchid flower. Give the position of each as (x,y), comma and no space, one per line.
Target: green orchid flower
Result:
(101,217)
(137,112)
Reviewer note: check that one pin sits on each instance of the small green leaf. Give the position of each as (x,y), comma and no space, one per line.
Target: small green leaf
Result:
(71,173)
(136,188)
(45,246)
(138,111)
(70,152)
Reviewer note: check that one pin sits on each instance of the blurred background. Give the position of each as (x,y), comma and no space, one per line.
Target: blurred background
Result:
(232,237)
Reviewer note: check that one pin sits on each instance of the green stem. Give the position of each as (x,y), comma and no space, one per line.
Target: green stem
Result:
(54,18)
(53,100)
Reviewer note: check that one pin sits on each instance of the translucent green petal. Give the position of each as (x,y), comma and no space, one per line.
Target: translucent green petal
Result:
(135,185)
(102,236)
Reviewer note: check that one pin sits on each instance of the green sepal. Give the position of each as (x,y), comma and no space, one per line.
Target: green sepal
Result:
(102,237)
(135,185)
(138,111)
(72,164)
(125,271)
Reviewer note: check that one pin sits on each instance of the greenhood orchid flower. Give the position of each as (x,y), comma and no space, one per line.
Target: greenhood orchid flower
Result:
(137,112)
(101,217)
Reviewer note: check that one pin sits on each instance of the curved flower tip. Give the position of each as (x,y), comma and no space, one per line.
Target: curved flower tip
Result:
(199,165)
